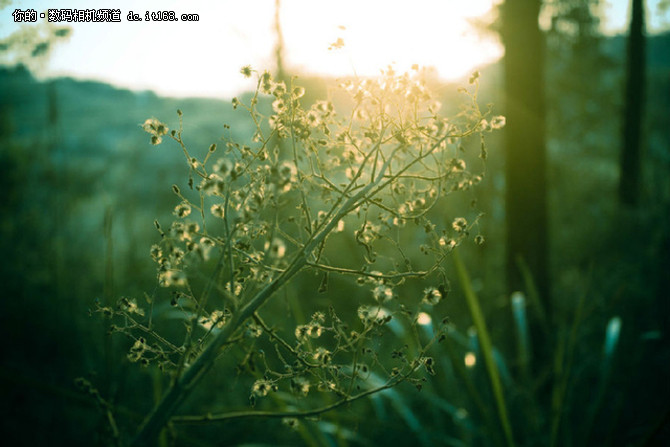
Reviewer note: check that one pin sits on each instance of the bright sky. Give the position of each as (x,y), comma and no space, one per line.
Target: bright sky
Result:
(203,58)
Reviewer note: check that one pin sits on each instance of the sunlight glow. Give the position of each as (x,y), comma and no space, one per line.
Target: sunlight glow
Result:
(203,58)
(379,33)
(470,360)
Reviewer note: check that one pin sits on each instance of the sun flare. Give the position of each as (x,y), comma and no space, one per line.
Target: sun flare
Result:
(203,58)
(380,33)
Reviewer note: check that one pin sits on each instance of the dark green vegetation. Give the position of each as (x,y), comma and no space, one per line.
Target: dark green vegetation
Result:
(81,187)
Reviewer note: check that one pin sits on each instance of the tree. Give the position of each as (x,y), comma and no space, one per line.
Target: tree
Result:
(578,75)
(279,46)
(525,170)
(629,184)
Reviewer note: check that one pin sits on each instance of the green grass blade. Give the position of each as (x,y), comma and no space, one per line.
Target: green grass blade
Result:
(485,345)
(611,340)
(533,294)
(523,338)
(612,334)
(459,368)
(563,361)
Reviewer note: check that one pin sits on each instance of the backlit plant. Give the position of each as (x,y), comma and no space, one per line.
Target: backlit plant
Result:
(315,191)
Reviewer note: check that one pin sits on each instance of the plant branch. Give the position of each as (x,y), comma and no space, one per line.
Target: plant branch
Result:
(181,387)
(209,418)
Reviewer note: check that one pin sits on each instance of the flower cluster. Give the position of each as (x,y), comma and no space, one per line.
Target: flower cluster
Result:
(156,129)
(354,195)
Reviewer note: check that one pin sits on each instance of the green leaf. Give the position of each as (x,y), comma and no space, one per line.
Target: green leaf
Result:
(486,346)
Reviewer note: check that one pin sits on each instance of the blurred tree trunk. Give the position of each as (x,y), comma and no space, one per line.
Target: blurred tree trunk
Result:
(280,73)
(629,184)
(525,165)
(279,47)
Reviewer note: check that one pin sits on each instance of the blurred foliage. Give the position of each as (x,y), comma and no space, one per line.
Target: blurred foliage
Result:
(31,45)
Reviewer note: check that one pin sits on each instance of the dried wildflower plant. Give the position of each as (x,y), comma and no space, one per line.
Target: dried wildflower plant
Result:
(259,212)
